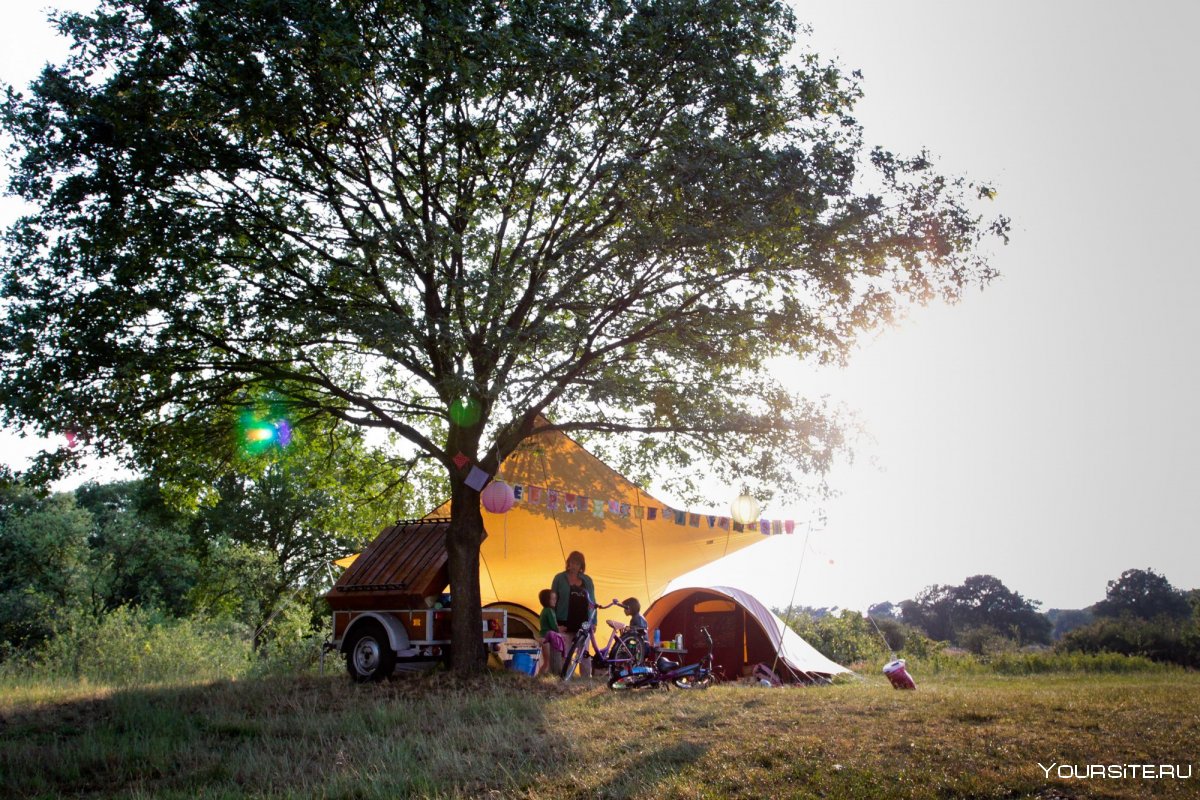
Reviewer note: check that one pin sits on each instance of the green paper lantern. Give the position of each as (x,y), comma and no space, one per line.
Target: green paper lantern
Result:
(465,412)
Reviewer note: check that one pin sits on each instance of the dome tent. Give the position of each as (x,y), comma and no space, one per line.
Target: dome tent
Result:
(744,631)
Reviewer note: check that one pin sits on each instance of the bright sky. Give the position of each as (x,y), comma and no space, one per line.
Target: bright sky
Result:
(1044,430)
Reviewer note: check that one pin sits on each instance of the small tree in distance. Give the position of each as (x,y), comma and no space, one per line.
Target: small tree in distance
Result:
(981,607)
(443,221)
(1144,594)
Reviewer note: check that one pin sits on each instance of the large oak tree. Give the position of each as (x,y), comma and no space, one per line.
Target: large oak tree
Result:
(610,212)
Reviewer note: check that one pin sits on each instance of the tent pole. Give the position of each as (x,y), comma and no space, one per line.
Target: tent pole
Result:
(645,559)
(792,603)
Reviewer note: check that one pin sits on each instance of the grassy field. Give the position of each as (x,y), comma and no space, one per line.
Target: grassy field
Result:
(505,735)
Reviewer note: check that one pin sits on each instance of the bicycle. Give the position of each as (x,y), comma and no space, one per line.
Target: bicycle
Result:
(665,672)
(623,650)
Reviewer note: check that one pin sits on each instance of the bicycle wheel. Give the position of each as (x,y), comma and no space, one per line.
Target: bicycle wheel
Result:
(622,659)
(575,655)
(702,678)
(636,647)
(635,681)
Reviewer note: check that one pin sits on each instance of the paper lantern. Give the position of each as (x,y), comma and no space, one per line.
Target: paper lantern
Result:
(465,412)
(744,510)
(497,497)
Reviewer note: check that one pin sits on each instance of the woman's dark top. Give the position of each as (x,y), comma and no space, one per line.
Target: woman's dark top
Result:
(577,608)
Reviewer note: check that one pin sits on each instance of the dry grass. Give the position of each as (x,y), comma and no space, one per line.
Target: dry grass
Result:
(504,735)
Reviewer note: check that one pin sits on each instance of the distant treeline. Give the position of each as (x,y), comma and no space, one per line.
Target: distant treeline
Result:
(1142,614)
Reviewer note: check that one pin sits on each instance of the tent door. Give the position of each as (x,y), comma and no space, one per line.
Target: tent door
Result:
(728,632)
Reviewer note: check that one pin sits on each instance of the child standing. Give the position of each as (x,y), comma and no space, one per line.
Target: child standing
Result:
(548,635)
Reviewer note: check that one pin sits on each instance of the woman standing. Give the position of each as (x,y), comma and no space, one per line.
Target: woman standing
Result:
(576,596)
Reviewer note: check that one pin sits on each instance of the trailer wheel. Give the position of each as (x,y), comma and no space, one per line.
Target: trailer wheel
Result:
(369,654)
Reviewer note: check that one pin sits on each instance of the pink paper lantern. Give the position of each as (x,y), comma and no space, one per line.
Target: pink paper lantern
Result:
(497,497)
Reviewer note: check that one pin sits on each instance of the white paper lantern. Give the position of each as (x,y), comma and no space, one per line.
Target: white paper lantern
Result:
(744,510)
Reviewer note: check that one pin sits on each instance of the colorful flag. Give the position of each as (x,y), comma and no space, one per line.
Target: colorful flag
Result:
(569,506)
(712,520)
(639,511)
(535,495)
(776,527)
(552,499)
(518,492)
(764,527)
(625,509)
(652,512)
(694,520)
(680,517)
(789,526)
(723,523)
(598,508)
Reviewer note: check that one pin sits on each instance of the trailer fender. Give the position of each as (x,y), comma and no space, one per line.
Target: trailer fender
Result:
(396,632)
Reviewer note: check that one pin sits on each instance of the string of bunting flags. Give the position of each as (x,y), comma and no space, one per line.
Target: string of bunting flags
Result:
(576,503)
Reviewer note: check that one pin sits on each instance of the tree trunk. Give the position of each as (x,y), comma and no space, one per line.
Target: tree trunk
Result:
(462,544)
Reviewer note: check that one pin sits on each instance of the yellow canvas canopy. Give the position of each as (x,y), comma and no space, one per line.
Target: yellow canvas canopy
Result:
(634,544)
(628,554)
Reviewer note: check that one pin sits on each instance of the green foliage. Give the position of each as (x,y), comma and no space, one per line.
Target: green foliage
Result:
(1142,615)
(1144,594)
(273,526)
(137,560)
(851,638)
(1039,662)
(130,646)
(1161,639)
(235,580)
(43,564)
(1066,620)
(985,640)
(982,605)
(288,643)
(253,557)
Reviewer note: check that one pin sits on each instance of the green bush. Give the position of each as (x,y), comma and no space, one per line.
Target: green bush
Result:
(852,638)
(287,642)
(986,640)
(1031,663)
(1161,639)
(133,646)
(1044,662)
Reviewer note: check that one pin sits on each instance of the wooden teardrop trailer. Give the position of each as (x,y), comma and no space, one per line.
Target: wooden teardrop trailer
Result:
(387,613)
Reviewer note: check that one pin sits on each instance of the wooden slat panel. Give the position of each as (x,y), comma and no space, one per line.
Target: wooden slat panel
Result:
(405,563)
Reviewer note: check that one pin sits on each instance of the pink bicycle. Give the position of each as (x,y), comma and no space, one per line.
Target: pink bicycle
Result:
(624,650)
